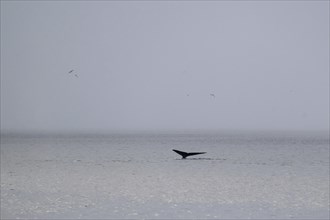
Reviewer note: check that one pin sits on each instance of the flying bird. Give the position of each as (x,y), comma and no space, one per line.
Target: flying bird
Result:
(212,95)
(76,75)
(186,154)
(70,71)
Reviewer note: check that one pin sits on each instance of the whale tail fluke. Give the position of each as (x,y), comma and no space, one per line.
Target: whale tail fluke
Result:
(186,154)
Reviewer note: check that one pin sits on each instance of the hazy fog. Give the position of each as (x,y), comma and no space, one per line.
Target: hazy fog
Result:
(153,65)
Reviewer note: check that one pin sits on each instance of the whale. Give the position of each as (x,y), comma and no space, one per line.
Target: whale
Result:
(186,154)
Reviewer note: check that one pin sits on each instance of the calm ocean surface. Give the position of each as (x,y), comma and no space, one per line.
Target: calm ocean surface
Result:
(242,175)
(291,148)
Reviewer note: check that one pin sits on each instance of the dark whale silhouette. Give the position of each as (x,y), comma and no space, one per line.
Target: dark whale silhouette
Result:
(185,154)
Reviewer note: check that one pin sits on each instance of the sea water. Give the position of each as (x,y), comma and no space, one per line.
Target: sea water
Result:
(242,175)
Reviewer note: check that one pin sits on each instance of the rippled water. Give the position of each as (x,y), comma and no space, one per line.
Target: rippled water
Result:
(242,175)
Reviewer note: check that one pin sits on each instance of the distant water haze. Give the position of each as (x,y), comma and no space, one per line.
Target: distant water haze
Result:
(154,65)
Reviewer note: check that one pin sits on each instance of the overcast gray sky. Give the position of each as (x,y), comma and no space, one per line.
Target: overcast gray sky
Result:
(153,65)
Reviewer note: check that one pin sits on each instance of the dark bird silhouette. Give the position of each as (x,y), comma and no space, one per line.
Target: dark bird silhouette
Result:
(70,71)
(185,154)
(76,75)
(212,95)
